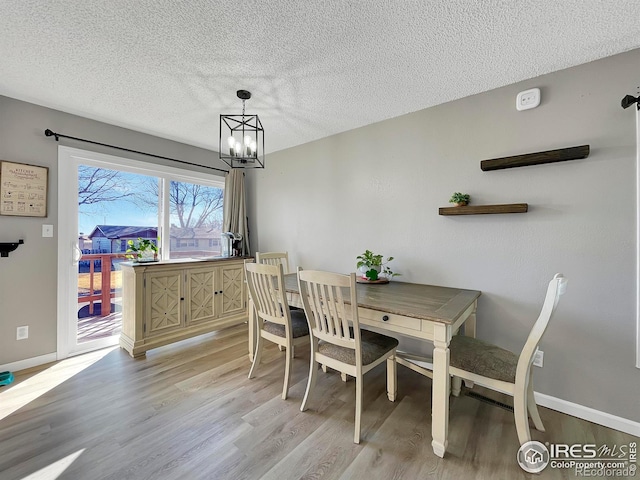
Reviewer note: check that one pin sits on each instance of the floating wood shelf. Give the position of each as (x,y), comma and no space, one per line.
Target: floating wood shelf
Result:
(485,209)
(550,156)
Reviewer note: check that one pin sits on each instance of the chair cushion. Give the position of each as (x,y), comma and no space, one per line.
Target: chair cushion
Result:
(298,323)
(374,346)
(482,358)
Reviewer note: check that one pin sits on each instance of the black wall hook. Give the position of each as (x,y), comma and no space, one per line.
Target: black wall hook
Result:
(629,100)
(5,248)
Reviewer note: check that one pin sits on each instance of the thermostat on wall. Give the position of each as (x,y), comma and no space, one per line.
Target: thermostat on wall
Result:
(528,99)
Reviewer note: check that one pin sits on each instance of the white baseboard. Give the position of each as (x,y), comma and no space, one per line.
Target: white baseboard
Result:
(29,362)
(589,414)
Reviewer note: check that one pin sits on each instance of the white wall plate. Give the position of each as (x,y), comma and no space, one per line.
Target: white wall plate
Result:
(528,99)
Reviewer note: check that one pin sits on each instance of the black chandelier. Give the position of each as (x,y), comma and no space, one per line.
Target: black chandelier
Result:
(241,138)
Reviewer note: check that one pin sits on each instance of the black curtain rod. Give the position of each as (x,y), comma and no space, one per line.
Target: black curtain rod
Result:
(57,136)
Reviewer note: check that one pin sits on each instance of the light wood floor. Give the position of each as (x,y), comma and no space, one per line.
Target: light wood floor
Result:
(188,411)
(94,327)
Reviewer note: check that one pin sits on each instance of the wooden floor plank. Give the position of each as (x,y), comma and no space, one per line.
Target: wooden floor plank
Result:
(188,411)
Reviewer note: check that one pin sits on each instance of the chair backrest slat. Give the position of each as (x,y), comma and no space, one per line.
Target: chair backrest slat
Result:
(266,288)
(274,258)
(328,313)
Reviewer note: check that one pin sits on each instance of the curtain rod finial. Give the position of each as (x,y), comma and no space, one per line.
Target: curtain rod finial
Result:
(49,133)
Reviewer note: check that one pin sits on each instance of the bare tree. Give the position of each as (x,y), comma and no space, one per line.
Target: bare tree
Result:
(194,205)
(97,185)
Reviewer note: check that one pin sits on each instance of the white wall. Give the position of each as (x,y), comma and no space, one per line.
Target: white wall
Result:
(379,187)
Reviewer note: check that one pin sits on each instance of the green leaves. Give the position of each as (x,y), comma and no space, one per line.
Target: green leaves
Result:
(374,265)
(139,246)
(458,197)
(369,259)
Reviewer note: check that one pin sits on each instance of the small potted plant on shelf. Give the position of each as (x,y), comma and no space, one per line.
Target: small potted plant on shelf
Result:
(142,250)
(373,266)
(460,199)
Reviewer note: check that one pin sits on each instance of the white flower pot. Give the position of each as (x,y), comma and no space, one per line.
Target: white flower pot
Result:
(363,270)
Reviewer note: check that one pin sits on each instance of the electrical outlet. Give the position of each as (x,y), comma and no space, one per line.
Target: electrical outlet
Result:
(528,99)
(538,358)
(22,333)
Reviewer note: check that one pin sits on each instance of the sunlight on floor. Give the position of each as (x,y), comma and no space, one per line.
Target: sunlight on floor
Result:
(24,392)
(53,471)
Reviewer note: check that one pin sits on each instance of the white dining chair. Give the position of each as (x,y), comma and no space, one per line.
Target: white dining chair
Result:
(499,369)
(330,302)
(274,258)
(275,322)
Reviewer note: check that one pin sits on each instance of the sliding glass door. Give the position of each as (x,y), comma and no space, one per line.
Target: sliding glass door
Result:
(105,201)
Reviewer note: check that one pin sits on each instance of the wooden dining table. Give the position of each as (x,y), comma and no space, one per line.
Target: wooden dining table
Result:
(427,312)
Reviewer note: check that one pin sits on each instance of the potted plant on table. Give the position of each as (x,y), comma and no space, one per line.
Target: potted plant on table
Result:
(460,199)
(372,266)
(142,250)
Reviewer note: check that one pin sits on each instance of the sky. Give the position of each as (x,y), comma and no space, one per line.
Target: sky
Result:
(116,213)
(132,201)
(128,211)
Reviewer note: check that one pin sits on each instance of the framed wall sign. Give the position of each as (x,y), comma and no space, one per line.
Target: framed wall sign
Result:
(23,190)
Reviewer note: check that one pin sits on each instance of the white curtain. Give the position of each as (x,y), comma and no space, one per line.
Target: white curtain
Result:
(235,209)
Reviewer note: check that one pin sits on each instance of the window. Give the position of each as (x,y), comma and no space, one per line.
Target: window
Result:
(122,204)
(196,219)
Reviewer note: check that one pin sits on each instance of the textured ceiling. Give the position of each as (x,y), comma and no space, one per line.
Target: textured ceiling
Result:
(315,68)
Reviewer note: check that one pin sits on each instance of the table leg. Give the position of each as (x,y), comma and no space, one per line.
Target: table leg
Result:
(440,391)
(456,386)
(470,322)
(252,329)
(470,331)
(392,375)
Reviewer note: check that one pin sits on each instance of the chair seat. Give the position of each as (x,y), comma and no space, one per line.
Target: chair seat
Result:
(374,346)
(482,358)
(298,323)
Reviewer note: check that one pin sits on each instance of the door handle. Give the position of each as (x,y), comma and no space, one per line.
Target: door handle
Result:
(76,253)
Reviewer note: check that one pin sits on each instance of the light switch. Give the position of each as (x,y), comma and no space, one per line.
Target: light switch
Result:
(47,230)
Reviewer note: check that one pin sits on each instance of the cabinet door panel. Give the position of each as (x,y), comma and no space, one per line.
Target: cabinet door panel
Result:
(201,288)
(163,299)
(233,290)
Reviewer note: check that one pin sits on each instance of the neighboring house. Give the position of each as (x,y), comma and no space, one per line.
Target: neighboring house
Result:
(198,241)
(114,238)
(184,242)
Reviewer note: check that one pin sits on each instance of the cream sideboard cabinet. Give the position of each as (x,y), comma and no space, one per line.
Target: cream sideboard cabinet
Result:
(168,301)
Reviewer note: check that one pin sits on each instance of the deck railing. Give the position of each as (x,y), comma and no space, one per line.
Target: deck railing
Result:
(105,294)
